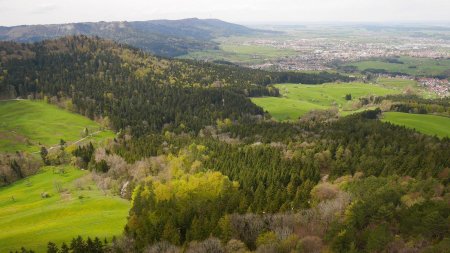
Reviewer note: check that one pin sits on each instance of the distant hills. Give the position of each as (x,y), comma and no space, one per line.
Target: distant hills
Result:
(161,37)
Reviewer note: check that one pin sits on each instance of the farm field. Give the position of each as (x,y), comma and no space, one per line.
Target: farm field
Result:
(298,99)
(411,66)
(241,54)
(404,84)
(80,208)
(25,124)
(424,123)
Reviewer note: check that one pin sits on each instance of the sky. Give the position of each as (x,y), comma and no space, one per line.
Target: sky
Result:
(18,12)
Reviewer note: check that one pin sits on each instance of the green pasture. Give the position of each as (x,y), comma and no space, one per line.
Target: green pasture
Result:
(77,208)
(25,125)
(411,65)
(424,123)
(240,53)
(298,99)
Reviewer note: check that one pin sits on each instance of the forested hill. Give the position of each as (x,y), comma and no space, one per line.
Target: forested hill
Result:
(132,88)
(161,37)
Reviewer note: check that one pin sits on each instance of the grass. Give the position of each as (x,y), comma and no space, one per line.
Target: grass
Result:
(31,221)
(411,65)
(424,123)
(25,124)
(404,84)
(298,99)
(242,54)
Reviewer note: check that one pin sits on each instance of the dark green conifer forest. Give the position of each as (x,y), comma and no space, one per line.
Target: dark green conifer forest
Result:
(206,170)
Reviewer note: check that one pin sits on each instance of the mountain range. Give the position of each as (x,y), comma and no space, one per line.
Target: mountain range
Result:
(169,38)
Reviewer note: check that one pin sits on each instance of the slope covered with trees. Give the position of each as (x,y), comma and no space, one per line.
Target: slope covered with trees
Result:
(207,171)
(161,37)
(103,79)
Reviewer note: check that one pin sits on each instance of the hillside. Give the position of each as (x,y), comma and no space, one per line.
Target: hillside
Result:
(26,125)
(427,124)
(161,37)
(102,77)
(207,170)
(75,206)
(297,100)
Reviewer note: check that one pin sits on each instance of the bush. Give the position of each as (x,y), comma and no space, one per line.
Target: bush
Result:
(210,245)
(235,246)
(310,244)
(324,191)
(267,238)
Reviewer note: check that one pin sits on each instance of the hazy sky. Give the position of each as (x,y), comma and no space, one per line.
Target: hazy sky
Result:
(16,12)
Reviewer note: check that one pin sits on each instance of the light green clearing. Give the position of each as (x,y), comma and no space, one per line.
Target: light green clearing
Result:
(25,124)
(32,221)
(403,84)
(239,53)
(411,66)
(298,99)
(424,123)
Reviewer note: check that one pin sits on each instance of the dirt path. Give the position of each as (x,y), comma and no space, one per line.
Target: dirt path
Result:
(12,99)
(56,146)
(76,142)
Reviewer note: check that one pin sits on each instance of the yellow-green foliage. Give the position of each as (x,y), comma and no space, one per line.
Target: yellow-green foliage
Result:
(203,185)
(267,238)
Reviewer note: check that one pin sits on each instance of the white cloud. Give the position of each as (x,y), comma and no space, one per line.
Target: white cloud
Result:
(14,12)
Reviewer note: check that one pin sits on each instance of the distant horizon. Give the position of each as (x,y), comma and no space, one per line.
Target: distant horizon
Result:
(25,12)
(274,23)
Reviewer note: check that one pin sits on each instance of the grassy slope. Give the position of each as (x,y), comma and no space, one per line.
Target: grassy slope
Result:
(424,123)
(423,66)
(299,99)
(24,124)
(32,221)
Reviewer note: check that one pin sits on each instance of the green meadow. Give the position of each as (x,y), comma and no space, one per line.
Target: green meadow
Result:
(411,65)
(404,84)
(75,206)
(424,123)
(298,99)
(25,125)
(240,53)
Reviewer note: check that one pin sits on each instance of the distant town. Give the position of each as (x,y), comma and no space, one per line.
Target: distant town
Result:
(318,53)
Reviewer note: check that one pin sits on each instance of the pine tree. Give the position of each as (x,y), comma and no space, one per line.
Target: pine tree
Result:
(64,248)
(44,154)
(52,248)
(78,245)
(16,168)
(98,245)
(171,234)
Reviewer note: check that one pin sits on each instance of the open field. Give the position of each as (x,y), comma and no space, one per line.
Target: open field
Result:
(404,84)
(424,123)
(25,124)
(29,220)
(397,83)
(241,54)
(411,66)
(298,99)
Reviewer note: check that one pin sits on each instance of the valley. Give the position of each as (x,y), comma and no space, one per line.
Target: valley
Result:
(200,135)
